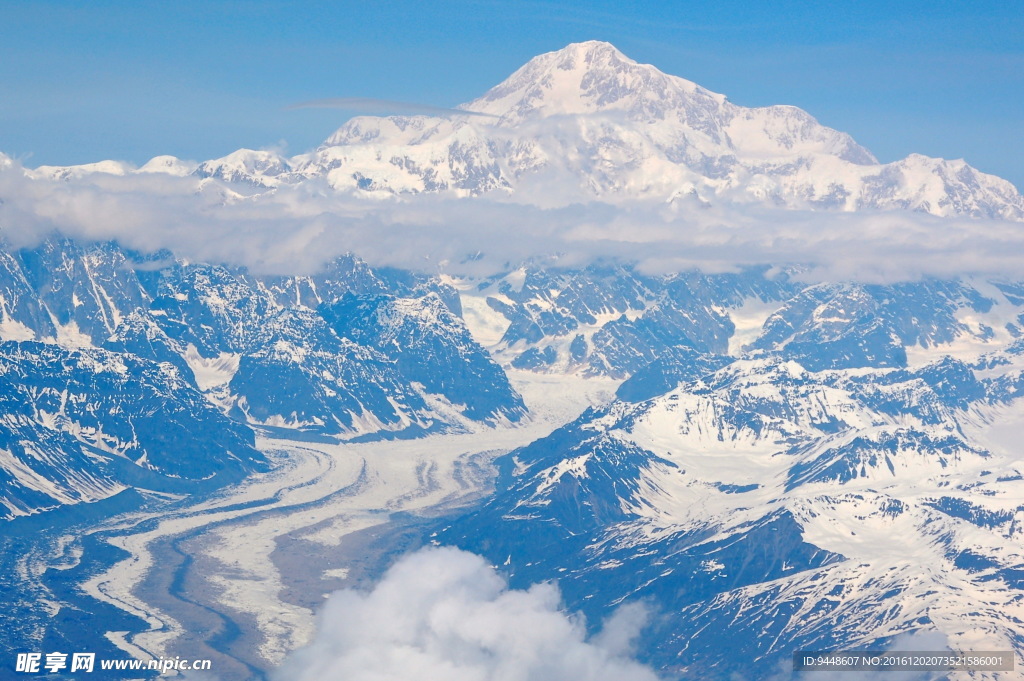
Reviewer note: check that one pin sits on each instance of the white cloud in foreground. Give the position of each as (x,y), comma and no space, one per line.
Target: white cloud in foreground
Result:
(297,229)
(442,613)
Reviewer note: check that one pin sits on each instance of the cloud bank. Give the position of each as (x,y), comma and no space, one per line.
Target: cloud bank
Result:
(442,613)
(296,229)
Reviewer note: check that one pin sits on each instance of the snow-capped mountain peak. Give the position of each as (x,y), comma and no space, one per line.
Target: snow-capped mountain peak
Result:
(169,165)
(596,78)
(620,130)
(586,78)
(598,125)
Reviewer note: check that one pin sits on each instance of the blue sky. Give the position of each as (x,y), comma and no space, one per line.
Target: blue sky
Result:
(84,81)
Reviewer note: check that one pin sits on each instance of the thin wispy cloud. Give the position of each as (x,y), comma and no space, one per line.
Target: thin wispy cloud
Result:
(369,105)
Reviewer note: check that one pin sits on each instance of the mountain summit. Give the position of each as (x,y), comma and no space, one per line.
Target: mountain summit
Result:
(595,78)
(588,123)
(591,77)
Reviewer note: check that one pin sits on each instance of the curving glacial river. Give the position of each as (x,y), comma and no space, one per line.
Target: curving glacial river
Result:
(236,577)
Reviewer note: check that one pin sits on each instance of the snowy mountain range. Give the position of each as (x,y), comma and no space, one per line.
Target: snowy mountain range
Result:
(784,464)
(764,509)
(587,123)
(111,358)
(798,465)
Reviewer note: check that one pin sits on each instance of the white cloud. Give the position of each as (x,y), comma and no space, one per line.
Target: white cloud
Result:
(298,228)
(442,613)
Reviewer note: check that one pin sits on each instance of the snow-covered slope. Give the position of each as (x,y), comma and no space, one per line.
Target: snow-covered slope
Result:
(592,123)
(800,466)
(82,425)
(586,122)
(91,328)
(615,321)
(762,508)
